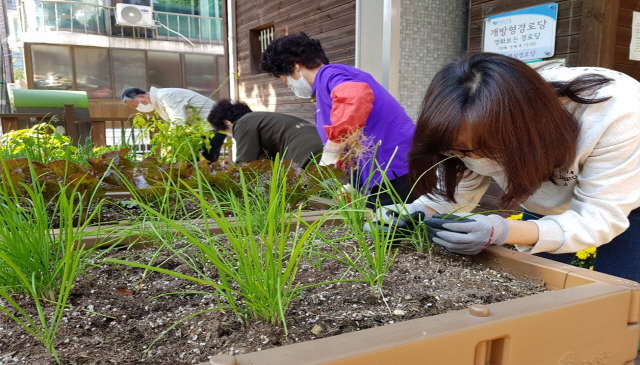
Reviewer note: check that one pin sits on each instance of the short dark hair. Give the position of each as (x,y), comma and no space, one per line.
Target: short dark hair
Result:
(514,115)
(281,55)
(131,93)
(227,110)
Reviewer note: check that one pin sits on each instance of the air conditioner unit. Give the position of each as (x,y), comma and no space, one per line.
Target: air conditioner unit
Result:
(134,15)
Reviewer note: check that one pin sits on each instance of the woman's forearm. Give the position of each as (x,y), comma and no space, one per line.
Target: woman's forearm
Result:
(523,233)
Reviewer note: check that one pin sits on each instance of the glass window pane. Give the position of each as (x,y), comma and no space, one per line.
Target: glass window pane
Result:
(88,18)
(201,74)
(92,72)
(164,69)
(129,70)
(51,67)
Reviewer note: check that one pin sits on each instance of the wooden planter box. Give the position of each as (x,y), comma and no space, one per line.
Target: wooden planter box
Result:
(585,318)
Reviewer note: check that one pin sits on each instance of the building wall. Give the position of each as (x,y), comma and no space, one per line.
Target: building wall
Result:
(432,33)
(330,21)
(621,61)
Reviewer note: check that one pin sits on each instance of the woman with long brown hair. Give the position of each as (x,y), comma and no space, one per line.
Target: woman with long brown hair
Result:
(564,143)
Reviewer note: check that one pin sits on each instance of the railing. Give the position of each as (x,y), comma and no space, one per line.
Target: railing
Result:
(78,17)
(194,27)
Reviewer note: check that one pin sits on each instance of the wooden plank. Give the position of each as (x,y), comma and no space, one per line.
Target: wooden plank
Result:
(341,53)
(622,56)
(324,22)
(330,21)
(599,19)
(9,124)
(625,18)
(633,5)
(631,70)
(289,14)
(623,37)
(303,23)
(326,39)
(98,133)
(481,9)
(249,8)
(568,44)
(571,59)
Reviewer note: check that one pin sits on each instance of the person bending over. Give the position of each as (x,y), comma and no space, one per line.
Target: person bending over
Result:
(261,135)
(363,128)
(176,106)
(564,143)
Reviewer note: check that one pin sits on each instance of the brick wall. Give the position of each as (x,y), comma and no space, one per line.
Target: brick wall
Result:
(433,32)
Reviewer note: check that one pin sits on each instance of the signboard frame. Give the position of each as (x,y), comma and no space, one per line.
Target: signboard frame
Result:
(525,34)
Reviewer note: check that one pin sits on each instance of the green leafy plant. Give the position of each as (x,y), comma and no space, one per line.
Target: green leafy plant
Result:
(41,143)
(172,141)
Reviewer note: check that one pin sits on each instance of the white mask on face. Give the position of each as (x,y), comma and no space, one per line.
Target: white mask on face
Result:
(300,87)
(145,108)
(482,166)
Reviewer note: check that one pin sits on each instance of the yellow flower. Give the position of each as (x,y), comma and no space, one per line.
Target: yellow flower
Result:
(582,255)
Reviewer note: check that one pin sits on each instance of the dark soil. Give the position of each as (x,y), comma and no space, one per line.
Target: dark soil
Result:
(114,315)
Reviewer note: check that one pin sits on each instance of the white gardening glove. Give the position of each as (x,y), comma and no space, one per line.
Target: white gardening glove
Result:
(344,193)
(331,153)
(390,217)
(467,234)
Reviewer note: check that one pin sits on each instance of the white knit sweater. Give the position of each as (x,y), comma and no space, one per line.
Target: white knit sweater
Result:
(589,204)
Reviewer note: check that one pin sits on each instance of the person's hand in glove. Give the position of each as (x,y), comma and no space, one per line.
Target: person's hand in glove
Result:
(393,216)
(331,153)
(467,234)
(344,193)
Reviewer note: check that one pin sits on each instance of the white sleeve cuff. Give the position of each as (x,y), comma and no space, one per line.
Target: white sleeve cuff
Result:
(550,238)
(442,206)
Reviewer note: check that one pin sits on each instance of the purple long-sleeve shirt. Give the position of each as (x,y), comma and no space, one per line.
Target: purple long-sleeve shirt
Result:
(387,124)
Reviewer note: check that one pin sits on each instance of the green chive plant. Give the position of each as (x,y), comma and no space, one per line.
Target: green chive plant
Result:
(256,267)
(38,261)
(375,252)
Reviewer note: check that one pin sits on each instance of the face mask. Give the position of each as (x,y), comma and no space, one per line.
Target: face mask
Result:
(482,166)
(145,108)
(300,87)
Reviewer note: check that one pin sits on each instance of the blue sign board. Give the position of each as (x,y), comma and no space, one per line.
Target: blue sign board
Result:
(525,34)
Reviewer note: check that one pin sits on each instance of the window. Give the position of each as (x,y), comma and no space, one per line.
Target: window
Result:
(201,74)
(52,67)
(93,73)
(128,70)
(259,39)
(164,69)
(104,73)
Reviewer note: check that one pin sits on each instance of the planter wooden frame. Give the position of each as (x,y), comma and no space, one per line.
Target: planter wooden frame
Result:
(585,317)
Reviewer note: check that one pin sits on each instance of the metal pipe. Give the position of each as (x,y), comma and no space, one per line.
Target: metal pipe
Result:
(358,32)
(386,43)
(231,42)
